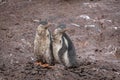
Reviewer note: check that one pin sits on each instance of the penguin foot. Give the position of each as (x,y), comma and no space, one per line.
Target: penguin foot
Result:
(43,65)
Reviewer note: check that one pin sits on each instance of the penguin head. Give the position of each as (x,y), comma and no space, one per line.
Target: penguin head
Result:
(43,27)
(43,22)
(62,26)
(59,31)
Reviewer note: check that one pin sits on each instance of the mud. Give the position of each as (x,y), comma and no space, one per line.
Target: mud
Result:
(95,32)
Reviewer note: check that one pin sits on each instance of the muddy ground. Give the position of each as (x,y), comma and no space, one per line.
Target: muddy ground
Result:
(95,32)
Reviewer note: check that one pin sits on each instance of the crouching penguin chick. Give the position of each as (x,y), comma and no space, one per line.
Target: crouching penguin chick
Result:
(63,48)
(43,44)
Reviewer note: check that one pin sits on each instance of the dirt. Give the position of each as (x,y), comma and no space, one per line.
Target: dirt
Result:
(95,32)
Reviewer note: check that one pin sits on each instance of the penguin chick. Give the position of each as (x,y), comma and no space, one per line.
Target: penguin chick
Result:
(63,48)
(43,44)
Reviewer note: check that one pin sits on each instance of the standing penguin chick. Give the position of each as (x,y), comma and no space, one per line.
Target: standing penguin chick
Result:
(43,44)
(63,48)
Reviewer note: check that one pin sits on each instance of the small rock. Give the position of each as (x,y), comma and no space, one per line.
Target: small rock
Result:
(91,26)
(4,28)
(97,50)
(114,70)
(84,17)
(39,72)
(75,24)
(29,0)
(36,20)
(38,67)
(34,72)
(17,24)
(26,42)
(12,75)
(10,35)
(2,67)
(2,2)
(17,48)
(28,68)
(22,71)
(6,73)
(117,53)
(82,70)
(27,72)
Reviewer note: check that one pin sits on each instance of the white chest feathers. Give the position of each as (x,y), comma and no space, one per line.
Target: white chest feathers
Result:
(57,45)
(65,55)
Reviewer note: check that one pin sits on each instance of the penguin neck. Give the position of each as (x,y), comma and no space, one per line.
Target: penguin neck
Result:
(58,38)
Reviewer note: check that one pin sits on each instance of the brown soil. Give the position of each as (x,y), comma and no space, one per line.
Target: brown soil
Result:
(95,32)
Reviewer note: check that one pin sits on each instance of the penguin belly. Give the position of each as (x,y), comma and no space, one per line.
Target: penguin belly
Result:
(66,59)
(56,48)
(42,49)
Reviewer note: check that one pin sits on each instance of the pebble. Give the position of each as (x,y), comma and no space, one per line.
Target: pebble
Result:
(34,72)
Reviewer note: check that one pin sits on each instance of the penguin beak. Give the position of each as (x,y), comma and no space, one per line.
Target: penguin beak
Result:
(64,30)
(48,25)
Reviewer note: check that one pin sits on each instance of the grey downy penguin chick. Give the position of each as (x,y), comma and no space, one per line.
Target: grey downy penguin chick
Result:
(43,44)
(63,48)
